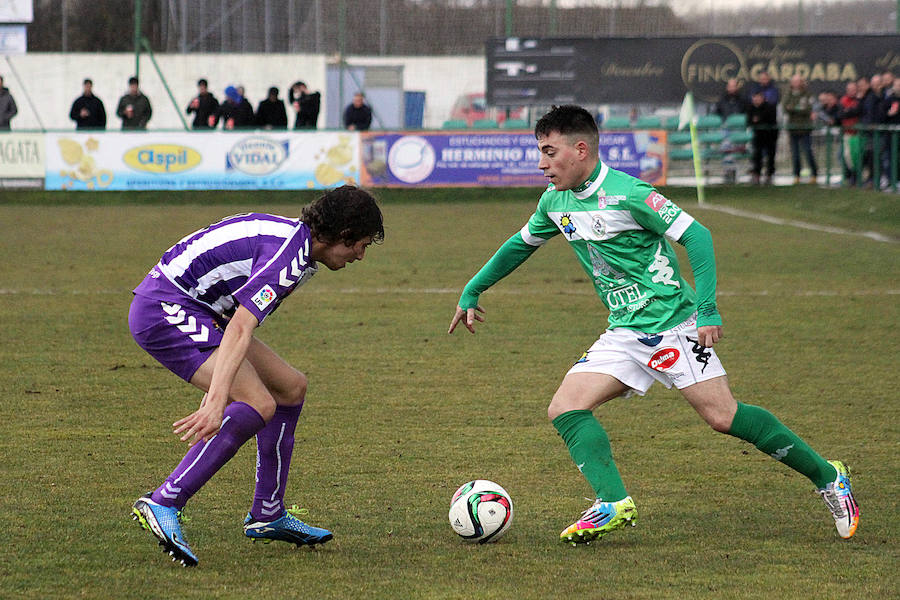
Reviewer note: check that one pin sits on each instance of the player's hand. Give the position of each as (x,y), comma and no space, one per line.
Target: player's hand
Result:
(471,315)
(202,424)
(709,335)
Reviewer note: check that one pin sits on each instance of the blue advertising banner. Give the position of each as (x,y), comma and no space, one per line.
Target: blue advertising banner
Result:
(450,159)
(466,159)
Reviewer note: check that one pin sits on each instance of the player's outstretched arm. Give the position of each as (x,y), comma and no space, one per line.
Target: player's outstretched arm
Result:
(468,316)
(510,255)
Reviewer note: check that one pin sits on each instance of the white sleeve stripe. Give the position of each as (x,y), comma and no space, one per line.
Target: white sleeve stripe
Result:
(679,226)
(531,240)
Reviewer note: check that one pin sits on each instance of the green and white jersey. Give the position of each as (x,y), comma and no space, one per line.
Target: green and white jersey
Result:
(619,228)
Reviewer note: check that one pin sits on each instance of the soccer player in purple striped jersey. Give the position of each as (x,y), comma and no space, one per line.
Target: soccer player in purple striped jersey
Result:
(196,312)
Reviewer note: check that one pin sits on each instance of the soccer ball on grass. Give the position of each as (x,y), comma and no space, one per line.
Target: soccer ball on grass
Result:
(481,511)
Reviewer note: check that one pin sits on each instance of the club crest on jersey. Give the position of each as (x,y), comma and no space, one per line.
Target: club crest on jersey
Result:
(599,226)
(568,226)
(264,297)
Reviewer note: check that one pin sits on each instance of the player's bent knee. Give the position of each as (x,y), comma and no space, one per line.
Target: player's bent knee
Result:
(295,393)
(720,422)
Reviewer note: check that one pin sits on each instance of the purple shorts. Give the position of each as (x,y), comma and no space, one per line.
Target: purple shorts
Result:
(175,330)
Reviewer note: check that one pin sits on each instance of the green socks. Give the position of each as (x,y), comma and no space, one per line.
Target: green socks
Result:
(589,447)
(762,429)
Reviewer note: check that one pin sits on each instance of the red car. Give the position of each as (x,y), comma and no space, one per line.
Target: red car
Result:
(472,107)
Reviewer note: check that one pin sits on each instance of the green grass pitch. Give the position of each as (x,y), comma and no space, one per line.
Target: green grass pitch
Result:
(399,413)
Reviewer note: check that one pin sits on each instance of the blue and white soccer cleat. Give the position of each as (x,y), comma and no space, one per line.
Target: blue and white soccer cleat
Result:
(165,523)
(838,497)
(286,528)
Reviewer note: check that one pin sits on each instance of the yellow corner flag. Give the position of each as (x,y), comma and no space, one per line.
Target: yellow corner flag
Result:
(687,116)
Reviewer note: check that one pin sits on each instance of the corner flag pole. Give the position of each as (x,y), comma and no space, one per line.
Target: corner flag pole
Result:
(687,116)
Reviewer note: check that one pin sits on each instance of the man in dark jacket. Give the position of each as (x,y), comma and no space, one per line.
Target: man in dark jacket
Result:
(235,112)
(87,110)
(8,107)
(205,106)
(762,117)
(271,113)
(306,106)
(358,115)
(732,103)
(134,107)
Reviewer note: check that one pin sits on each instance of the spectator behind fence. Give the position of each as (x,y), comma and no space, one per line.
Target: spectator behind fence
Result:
(88,111)
(134,107)
(769,90)
(205,107)
(306,106)
(235,112)
(8,108)
(871,114)
(271,113)
(358,114)
(762,117)
(798,109)
(892,117)
(732,102)
(827,114)
(849,117)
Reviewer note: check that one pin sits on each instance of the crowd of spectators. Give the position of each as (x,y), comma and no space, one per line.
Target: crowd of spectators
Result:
(865,104)
(233,112)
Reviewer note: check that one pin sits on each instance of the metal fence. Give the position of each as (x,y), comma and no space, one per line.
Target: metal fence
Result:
(423,27)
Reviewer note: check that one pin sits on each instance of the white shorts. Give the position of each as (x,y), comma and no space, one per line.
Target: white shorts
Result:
(638,359)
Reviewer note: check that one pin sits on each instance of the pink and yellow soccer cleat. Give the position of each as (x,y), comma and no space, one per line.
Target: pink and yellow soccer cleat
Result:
(601,518)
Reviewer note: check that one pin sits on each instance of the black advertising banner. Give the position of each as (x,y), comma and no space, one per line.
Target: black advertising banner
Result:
(543,71)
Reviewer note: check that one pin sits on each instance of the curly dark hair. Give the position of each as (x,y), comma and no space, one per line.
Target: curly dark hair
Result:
(345,214)
(569,120)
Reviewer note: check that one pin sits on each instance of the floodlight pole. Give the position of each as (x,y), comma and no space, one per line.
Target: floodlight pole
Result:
(137,38)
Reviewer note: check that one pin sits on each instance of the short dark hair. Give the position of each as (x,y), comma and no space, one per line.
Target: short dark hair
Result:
(345,214)
(132,80)
(202,82)
(569,120)
(87,81)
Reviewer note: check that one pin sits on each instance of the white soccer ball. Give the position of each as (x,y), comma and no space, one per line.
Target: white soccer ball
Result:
(480,511)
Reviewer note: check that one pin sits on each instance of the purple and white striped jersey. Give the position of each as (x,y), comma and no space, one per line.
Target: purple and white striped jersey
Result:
(254,260)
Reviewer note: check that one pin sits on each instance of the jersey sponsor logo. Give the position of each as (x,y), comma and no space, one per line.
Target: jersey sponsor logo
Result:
(603,200)
(162,158)
(625,296)
(256,156)
(664,273)
(656,201)
(264,297)
(664,359)
(662,206)
(568,226)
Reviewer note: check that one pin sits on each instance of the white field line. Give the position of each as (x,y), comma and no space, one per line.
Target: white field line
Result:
(586,290)
(736,212)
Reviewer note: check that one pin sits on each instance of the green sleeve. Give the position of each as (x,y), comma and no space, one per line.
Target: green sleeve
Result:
(509,256)
(697,240)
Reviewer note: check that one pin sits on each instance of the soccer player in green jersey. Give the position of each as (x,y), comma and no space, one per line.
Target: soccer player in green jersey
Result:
(660,329)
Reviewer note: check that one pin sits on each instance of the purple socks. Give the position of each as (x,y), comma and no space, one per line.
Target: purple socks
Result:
(274,446)
(204,459)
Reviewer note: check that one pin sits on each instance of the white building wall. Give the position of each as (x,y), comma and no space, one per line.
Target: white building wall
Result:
(53,81)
